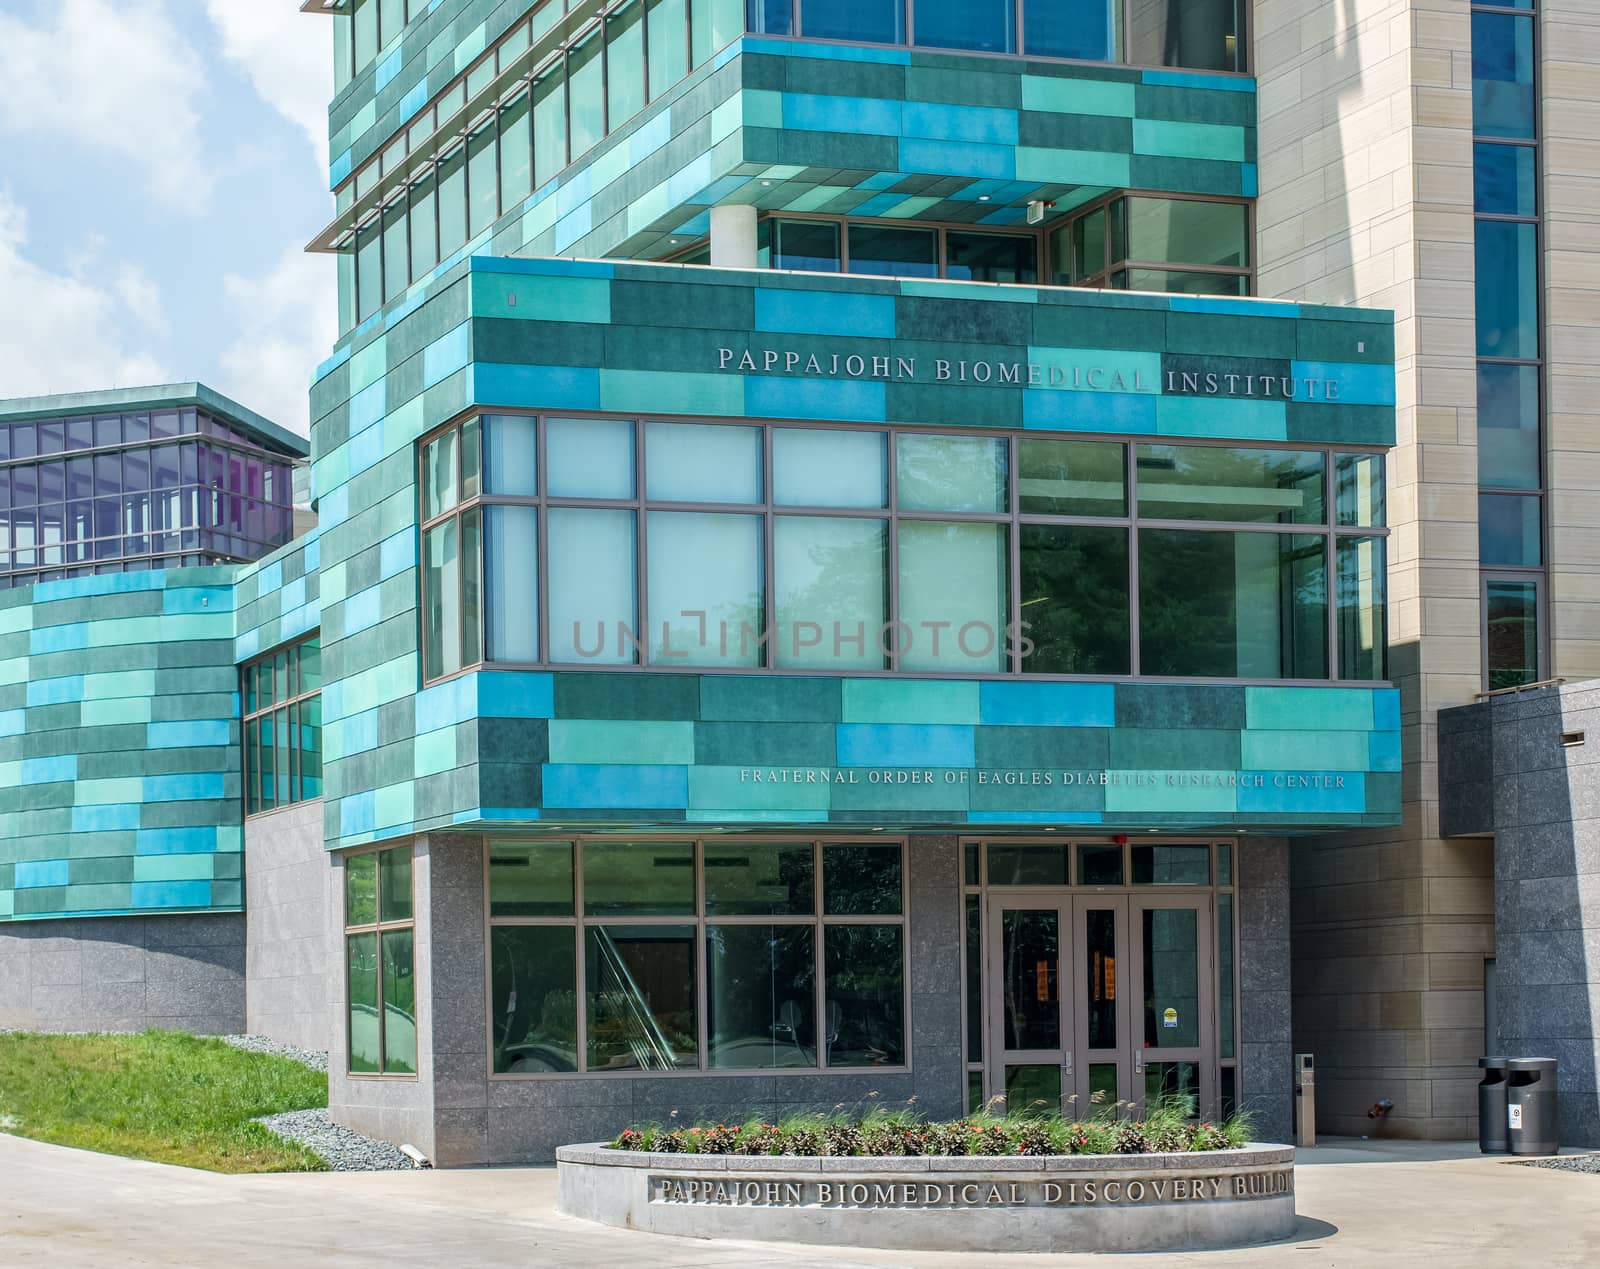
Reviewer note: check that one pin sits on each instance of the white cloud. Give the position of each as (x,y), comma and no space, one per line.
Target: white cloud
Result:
(117,78)
(286,322)
(62,332)
(286,55)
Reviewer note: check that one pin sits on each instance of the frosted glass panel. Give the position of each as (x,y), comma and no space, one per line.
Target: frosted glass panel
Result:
(589,458)
(698,462)
(950,473)
(592,556)
(705,564)
(952,596)
(829,469)
(512,573)
(831,593)
(510,457)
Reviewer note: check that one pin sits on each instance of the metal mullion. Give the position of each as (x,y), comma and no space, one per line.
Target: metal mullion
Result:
(1330,514)
(703,949)
(819,940)
(541,583)
(582,984)
(892,475)
(641,574)
(767,649)
(1014,547)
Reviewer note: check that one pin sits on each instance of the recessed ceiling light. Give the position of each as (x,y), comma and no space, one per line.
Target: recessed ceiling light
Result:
(983,198)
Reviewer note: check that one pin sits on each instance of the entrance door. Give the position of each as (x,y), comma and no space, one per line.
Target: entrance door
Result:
(1100,999)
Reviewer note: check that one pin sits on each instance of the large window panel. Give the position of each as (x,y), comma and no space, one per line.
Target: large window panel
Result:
(625,70)
(831,580)
(977,257)
(534,997)
(516,152)
(809,246)
(530,879)
(453,201)
(759,879)
(896,253)
(586,96)
(1232,605)
(1074,599)
(649,878)
(855,21)
(1508,530)
(1178,282)
(1503,102)
(1507,288)
(1363,613)
(1505,179)
(761,996)
(705,600)
(641,997)
(593,559)
(1087,30)
(1071,478)
(667,30)
(511,572)
(590,458)
(864,1023)
(953,596)
(984,26)
(950,473)
(695,462)
(441,586)
(1511,644)
(549,124)
(1198,34)
(1247,486)
(1187,231)
(483,179)
(1508,426)
(820,468)
(424,226)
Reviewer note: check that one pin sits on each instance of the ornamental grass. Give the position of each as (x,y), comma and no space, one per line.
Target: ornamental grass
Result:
(1168,1127)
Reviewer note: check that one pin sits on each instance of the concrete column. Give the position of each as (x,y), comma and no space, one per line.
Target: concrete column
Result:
(733,237)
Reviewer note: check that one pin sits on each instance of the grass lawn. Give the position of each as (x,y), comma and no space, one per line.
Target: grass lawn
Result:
(162,1095)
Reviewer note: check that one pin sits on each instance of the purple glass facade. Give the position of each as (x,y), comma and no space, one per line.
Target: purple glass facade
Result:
(124,492)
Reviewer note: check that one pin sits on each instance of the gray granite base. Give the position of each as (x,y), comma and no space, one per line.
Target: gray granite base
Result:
(1128,1203)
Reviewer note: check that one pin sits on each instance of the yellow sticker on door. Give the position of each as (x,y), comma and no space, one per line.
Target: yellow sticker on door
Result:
(1170,1018)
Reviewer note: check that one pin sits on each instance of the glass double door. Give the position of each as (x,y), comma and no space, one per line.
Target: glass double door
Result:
(1100,1001)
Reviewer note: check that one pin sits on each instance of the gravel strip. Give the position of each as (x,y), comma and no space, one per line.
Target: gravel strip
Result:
(341,1149)
(1570,1163)
(316,1059)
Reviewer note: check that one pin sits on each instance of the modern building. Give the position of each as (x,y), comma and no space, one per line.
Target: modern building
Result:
(857,554)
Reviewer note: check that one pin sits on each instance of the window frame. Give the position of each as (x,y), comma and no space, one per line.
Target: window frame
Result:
(378,928)
(280,711)
(1012,518)
(819,921)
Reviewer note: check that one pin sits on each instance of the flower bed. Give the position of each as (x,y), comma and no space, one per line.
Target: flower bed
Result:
(890,1135)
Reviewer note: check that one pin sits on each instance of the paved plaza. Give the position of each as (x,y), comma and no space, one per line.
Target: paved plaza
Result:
(1361,1205)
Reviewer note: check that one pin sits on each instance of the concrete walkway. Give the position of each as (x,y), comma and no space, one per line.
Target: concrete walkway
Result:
(1362,1205)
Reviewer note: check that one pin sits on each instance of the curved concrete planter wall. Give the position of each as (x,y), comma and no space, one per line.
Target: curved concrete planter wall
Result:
(1152,1202)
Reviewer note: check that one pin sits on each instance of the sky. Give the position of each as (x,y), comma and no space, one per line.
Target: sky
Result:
(162,165)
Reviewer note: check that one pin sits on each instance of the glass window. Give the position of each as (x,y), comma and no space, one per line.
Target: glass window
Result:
(1232,605)
(714,24)
(1502,75)
(1508,426)
(534,1026)
(810,246)
(865,994)
(1086,251)
(705,599)
(1027,865)
(986,26)
(442,594)
(950,473)
(424,226)
(586,97)
(369,269)
(1174,282)
(861,880)
(365,21)
(770,17)
(759,879)
(593,560)
(282,728)
(472,611)
(667,25)
(1171,865)
(439,480)
(814,467)
(832,598)
(1363,617)
(511,464)
(855,21)
(1508,529)
(394,884)
(530,879)
(361,890)
(641,996)
(396,262)
(1358,490)
(898,253)
(1252,486)
(1187,231)
(651,878)
(549,124)
(516,152)
(1507,287)
(380,963)
(1511,642)
(453,201)
(975,257)
(392,20)
(761,996)
(483,179)
(1072,478)
(1089,30)
(1505,179)
(399,1003)
(695,462)
(1099,865)
(511,569)
(590,458)
(366,1049)
(625,63)
(1074,600)
(1199,34)
(953,596)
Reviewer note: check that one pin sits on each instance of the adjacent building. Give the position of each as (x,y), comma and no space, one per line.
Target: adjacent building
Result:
(863,552)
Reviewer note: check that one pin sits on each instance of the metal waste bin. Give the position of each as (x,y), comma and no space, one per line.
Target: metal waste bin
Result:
(1531,1106)
(1492,1137)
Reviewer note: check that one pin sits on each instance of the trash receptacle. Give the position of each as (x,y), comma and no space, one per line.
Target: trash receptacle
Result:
(1492,1137)
(1531,1125)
